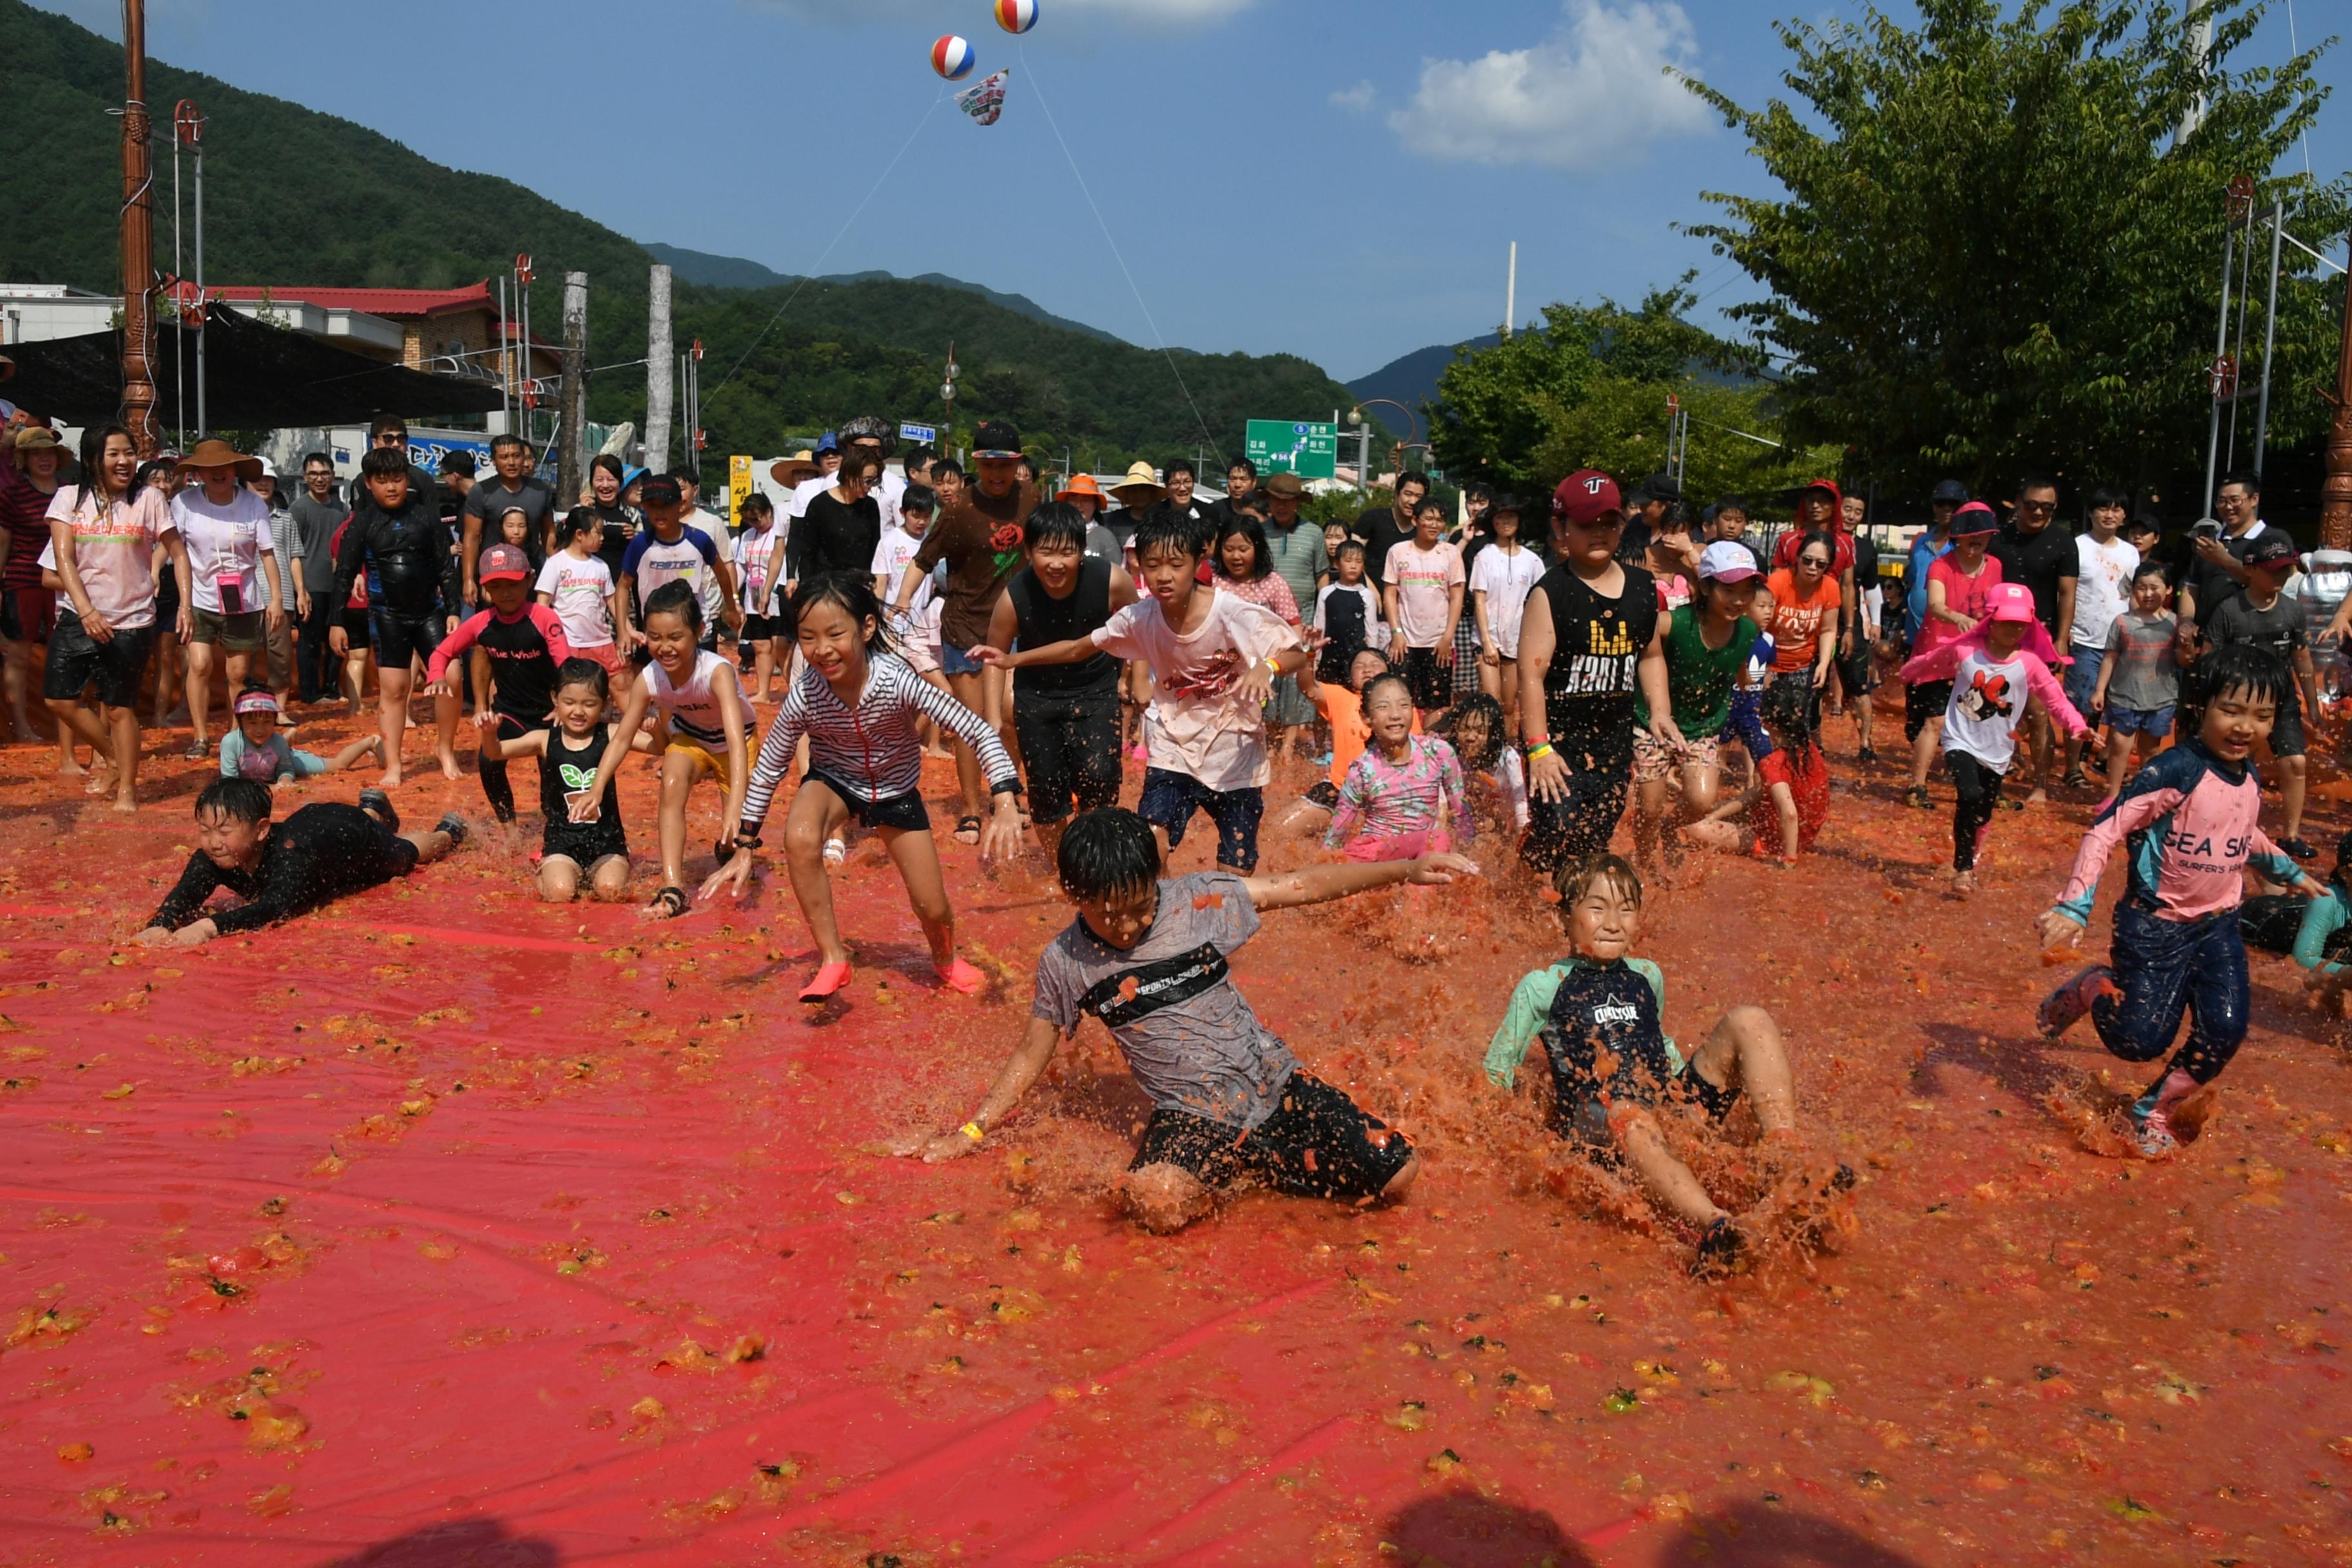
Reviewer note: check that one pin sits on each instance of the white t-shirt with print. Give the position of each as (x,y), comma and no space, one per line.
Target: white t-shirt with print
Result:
(2101,588)
(1507,579)
(1422,579)
(114,551)
(1198,723)
(580,593)
(226,544)
(692,705)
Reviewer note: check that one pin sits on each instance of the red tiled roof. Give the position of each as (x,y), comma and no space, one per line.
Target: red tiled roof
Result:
(393,302)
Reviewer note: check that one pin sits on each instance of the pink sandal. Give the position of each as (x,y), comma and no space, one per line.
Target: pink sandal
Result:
(962,976)
(829,979)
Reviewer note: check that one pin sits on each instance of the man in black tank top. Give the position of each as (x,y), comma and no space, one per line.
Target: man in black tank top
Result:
(1591,641)
(1065,716)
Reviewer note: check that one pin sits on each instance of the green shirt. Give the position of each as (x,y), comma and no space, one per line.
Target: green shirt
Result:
(1531,1009)
(1299,558)
(1699,679)
(2323,918)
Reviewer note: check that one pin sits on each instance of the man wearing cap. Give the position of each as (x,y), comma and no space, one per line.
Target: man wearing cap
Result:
(1382,528)
(2263,616)
(1947,497)
(979,536)
(29,481)
(513,485)
(2034,551)
(1591,642)
(231,554)
(827,457)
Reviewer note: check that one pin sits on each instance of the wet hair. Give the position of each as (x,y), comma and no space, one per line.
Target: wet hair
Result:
(920,497)
(383,462)
(1817,536)
(1386,677)
(1477,705)
(238,799)
(2261,674)
(946,467)
(612,466)
(1160,529)
(585,672)
(1249,528)
(1055,523)
(677,599)
(93,455)
(853,593)
(1574,878)
(1104,852)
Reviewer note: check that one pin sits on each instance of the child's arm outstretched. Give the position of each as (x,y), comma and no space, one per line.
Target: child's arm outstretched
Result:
(589,801)
(496,749)
(1012,1082)
(1321,884)
(2046,686)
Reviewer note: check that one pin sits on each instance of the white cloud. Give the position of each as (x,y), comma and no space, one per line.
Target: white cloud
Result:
(1597,92)
(1356,100)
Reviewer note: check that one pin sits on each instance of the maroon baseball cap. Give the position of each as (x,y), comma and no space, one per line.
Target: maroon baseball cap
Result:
(502,563)
(1586,496)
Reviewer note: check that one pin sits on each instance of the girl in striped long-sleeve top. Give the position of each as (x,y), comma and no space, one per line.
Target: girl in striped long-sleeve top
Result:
(857,703)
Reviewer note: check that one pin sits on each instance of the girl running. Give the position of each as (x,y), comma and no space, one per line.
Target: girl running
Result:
(577,585)
(1499,580)
(569,754)
(703,713)
(1396,798)
(857,703)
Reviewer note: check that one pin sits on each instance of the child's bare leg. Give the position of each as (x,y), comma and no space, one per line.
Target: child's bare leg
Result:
(1401,1182)
(559,878)
(816,815)
(1922,751)
(354,752)
(2119,758)
(764,671)
(610,878)
(1302,818)
(917,860)
(355,667)
(1164,1197)
(1784,805)
(392,716)
(75,721)
(1746,1049)
(122,724)
(198,690)
(1649,808)
(445,724)
(431,844)
(2291,793)
(1667,1176)
(1702,782)
(679,773)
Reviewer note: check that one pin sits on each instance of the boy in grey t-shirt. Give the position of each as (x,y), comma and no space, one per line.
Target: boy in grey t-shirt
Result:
(2265,617)
(1148,958)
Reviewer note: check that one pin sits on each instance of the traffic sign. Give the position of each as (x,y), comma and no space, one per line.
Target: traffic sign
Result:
(1283,446)
(922,433)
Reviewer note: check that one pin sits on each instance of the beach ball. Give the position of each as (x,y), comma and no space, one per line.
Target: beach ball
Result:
(1015,16)
(953,57)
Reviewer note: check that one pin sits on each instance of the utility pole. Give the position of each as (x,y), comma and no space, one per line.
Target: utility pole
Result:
(1511,293)
(2336,492)
(572,453)
(2270,339)
(137,237)
(659,368)
(947,398)
(192,125)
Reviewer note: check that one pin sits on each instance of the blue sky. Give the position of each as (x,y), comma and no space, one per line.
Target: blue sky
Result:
(1337,181)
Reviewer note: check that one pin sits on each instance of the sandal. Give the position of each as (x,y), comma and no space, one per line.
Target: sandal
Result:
(967,830)
(962,976)
(198,751)
(2075,779)
(670,902)
(828,979)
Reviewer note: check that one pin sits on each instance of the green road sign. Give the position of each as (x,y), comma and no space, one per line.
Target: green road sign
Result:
(1281,446)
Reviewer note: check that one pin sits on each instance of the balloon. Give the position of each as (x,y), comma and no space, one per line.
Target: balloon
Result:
(953,57)
(1015,16)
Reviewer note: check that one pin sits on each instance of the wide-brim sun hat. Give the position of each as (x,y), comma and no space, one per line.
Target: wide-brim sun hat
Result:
(213,453)
(1141,478)
(1081,488)
(798,469)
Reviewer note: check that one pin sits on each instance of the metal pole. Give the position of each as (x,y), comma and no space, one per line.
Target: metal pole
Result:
(2221,351)
(571,454)
(2269,340)
(179,370)
(2238,350)
(1511,293)
(1363,457)
(204,418)
(137,237)
(506,364)
(659,368)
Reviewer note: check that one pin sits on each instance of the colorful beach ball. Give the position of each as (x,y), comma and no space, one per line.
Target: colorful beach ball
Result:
(1015,16)
(953,57)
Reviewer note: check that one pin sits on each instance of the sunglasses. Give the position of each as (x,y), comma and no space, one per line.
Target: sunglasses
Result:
(1817,562)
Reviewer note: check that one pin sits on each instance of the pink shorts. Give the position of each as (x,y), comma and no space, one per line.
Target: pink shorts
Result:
(1395,846)
(606,654)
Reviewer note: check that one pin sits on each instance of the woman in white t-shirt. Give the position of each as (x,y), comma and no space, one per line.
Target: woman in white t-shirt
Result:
(1500,582)
(225,529)
(102,542)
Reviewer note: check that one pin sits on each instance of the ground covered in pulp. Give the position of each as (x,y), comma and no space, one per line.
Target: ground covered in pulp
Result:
(453,1228)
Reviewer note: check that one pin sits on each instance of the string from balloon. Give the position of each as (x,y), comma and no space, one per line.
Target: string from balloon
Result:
(1037,89)
(810,275)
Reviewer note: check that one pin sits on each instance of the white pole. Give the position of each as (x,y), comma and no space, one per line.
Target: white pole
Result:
(2270,340)
(506,364)
(659,369)
(204,421)
(1511,293)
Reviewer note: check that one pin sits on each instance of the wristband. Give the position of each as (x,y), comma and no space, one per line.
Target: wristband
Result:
(1274,665)
(973,1131)
(1540,750)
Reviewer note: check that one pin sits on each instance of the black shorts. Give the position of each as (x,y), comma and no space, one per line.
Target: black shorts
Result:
(1069,748)
(900,811)
(359,629)
(1432,682)
(1319,1143)
(760,628)
(1857,670)
(582,843)
(1169,799)
(1923,701)
(2286,730)
(1580,827)
(2270,921)
(1585,1089)
(76,659)
(401,635)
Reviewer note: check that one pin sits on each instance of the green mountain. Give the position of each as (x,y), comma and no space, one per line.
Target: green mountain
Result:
(295,196)
(736,272)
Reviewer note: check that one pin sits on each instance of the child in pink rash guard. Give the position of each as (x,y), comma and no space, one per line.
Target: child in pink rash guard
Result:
(1396,794)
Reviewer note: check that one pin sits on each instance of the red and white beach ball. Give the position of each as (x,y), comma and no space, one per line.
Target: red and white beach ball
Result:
(1015,16)
(953,57)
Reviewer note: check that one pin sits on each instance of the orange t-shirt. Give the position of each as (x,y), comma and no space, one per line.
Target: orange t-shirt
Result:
(1797,621)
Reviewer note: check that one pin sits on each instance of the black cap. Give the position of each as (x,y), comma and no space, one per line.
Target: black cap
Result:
(660,489)
(2271,549)
(995,438)
(1949,492)
(1662,487)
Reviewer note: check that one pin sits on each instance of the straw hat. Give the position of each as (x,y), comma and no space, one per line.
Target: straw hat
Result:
(36,438)
(1081,486)
(1140,478)
(217,454)
(798,469)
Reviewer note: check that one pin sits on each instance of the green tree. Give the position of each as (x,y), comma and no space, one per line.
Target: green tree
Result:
(1994,253)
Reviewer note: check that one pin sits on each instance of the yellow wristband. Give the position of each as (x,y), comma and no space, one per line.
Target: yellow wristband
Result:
(973,1131)
(1543,750)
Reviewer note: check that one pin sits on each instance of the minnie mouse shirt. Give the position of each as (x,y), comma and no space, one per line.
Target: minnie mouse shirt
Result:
(1989,699)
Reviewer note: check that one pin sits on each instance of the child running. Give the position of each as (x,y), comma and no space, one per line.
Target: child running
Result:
(2140,680)
(253,749)
(1707,642)
(524,646)
(700,699)
(1499,580)
(596,850)
(1599,1013)
(2190,822)
(577,584)
(857,703)
(280,870)
(1397,795)
(1150,959)
(1994,669)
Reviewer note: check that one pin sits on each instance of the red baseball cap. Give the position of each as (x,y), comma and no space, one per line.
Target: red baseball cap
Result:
(1586,496)
(502,563)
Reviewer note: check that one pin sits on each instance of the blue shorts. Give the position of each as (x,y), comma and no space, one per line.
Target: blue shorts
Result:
(2154,722)
(953,660)
(2083,676)
(1169,799)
